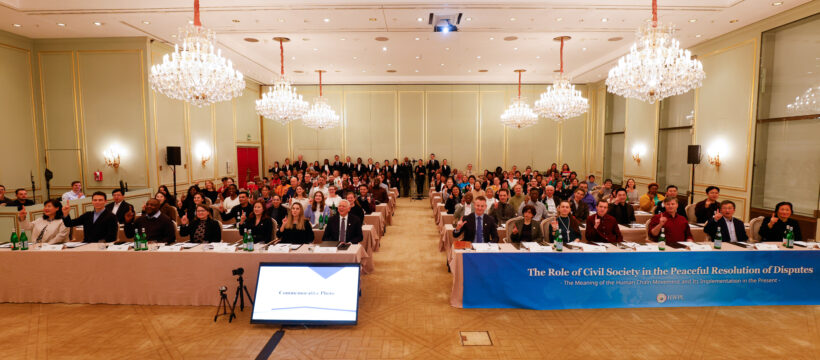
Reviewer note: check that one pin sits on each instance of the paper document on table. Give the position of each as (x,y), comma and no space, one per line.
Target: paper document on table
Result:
(5,246)
(606,245)
(766,246)
(223,247)
(279,248)
(629,244)
(72,245)
(169,248)
(700,247)
(325,250)
(647,247)
(187,245)
(536,247)
(51,247)
(592,248)
(485,247)
(118,247)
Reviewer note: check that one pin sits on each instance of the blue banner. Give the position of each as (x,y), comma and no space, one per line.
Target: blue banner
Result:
(640,279)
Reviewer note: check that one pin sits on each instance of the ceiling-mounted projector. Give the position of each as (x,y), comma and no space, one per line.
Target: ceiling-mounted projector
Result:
(445,23)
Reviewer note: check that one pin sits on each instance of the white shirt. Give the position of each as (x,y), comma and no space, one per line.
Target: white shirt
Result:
(333,201)
(731,226)
(229,203)
(551,205)
(491,202)
(71,195)
(315,189)
(116,207)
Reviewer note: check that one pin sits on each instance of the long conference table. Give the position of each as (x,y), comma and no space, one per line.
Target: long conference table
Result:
(90,275)
(731,276)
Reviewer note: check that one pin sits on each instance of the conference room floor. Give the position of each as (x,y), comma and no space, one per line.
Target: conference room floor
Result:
(405,313)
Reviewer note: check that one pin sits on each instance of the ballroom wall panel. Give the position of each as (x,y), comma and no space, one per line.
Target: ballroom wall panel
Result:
(225,139)
(60,117)
(641,133)
(201,140)
(458,122)
(19,124)
(170,124)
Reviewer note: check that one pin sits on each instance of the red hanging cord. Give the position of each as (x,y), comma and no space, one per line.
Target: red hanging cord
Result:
(282,56)
(562,55)
(196,13)
(519,84)
(654,13)
(320,83)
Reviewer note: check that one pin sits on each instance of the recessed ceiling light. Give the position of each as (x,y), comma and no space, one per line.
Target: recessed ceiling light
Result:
(692,20)
(16,25)
(512,19)
(448,49)
(235,20)
(538,57)
(384,48)
(777,3)
(419,19)
(468,70)
(516,49)
(326,20)
(355,57)
(315,49)
(173,35)
(733,21)
(442,64)
(146,22)
(492,38)
(364,70)
(293,57)
(416,70)
(604,19)
(191,22)
(418,57)
(281,20)
(698,35)
(389,64)
(478,57)
(342,39)
(418,39)
(499,64)
(559,19)
(583,49)
(97,23)
(60,24)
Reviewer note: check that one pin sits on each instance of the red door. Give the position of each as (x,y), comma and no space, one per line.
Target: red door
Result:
(247,159)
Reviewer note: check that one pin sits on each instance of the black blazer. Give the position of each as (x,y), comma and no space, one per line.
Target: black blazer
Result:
(432,166)
(294,236)
(490,230)
(213,232)
(159,229)
(262,232)
(445,170)
(105,228)
(778,231)
(712,226)
(353,233)
(301,165)
(581,211)
(120,211)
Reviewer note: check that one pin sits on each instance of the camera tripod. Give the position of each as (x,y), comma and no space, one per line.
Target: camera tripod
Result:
(241,291)
(223,303)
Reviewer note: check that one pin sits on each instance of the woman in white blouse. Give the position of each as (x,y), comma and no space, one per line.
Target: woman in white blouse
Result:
(48,229)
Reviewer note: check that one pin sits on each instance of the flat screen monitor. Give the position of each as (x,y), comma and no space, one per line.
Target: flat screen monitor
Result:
(307,294)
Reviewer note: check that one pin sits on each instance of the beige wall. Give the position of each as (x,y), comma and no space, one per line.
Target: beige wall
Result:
(459,123)
(68,100)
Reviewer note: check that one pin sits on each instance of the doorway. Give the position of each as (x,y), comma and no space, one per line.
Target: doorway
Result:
(247,160)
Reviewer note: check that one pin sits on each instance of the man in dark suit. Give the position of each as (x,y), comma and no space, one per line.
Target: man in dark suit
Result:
(620,209)
(478,227)
(349,167)
(119,207)
(579,208)
(731,228)
(405,173)
(337,165)
(99,224)
(287,166)
(301,164)
(157,227)
(343,227)
(445,169)
(432,166)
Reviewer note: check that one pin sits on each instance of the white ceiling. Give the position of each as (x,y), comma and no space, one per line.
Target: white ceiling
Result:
(345,45)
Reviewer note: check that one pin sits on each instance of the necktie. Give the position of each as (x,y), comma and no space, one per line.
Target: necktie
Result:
(343,230)
(479,231)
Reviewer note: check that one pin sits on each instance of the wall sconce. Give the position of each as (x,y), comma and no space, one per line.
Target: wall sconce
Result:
(714,151)
(112,157)
(637,152)
(203,151)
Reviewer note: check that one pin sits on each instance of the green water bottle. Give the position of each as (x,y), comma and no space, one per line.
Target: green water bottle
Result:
(719,239)
(248,241)
(559,241)
(23,241)
(662,241)
(14,240)
(143,240)
(789,237)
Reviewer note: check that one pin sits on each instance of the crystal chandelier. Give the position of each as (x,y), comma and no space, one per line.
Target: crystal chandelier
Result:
(519,115)
(321,115)
(656,67)
(561,101)
(281,102)
(808,103)
(195,73)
